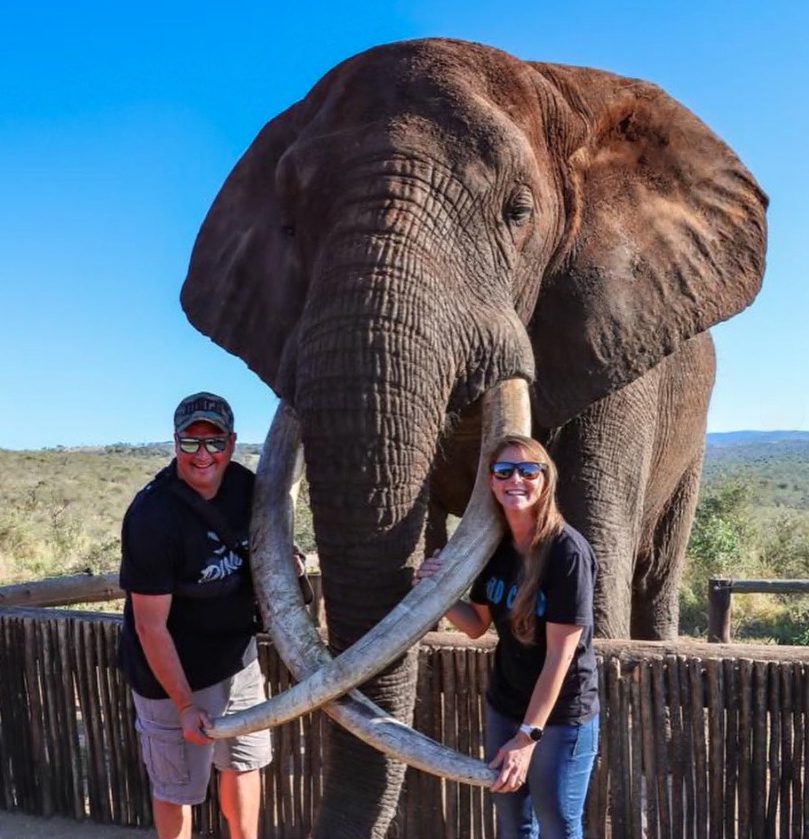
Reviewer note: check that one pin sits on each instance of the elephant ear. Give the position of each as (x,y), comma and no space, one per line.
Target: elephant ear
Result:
(666,236)
(243,287)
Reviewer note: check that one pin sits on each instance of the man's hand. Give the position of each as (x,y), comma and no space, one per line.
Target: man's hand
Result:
(431,565)
(300,560)
(300,567)
(194,721)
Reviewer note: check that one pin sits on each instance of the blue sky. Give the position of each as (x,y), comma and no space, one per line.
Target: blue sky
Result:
(119,122)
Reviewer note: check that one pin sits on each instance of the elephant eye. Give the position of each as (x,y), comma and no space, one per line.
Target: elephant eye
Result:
(520,206)
(288,230)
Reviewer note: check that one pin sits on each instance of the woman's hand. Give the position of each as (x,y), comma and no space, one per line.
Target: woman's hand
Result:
(430,566)
(472,618)
(513,760)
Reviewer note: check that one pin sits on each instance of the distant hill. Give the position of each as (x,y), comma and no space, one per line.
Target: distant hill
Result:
(774,465)
(737,438)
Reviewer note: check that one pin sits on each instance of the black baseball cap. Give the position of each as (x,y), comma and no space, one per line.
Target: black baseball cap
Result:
(204,407)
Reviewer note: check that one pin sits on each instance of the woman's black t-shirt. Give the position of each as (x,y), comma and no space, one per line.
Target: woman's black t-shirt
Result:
(167,548)
(565,596)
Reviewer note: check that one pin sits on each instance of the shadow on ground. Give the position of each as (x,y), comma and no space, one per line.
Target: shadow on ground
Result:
(22,826)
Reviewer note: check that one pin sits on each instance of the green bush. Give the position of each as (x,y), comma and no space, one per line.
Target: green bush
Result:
(785,545)
(734,537)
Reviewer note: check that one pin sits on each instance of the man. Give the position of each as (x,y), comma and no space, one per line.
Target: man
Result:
(187,647)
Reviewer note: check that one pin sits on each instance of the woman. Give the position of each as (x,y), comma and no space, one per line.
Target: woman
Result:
(542,699)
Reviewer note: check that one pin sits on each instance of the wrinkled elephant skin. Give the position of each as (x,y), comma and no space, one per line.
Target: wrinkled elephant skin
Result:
(434,218)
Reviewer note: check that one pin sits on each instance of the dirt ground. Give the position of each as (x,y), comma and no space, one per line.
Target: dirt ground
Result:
(22,826)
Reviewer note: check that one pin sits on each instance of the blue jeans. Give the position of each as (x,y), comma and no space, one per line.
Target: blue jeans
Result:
(551,803)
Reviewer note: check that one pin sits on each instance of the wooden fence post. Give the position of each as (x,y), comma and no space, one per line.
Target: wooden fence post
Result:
(719,601)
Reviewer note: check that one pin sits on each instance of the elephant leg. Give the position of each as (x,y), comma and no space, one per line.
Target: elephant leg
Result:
(686,379)
(604,457)
(656,587)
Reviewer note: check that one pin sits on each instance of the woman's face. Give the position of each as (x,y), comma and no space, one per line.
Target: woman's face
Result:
(517,493)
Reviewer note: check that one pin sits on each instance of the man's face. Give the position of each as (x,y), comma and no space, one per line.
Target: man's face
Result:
(203,470)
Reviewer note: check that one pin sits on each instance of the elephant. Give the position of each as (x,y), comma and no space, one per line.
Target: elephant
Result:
(435,221)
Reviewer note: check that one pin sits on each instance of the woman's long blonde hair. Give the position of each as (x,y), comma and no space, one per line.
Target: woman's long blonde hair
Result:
(549,523)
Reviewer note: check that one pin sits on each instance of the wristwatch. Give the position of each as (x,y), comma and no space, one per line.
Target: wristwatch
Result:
(533,731)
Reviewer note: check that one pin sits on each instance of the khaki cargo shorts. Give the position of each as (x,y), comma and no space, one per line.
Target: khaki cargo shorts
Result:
(179,770)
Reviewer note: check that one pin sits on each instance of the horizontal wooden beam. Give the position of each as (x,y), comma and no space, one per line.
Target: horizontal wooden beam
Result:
(769,586)
(720,589)
(62,591)
(636,650)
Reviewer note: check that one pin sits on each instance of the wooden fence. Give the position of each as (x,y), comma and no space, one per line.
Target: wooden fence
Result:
(698,741)
(720,589)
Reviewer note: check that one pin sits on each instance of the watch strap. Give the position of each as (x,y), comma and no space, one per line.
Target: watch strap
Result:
(533,731)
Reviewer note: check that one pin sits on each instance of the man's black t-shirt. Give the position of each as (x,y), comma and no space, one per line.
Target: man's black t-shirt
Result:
(565,596)
(167,548)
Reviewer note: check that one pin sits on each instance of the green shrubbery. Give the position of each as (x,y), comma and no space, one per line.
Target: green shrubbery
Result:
(734,536)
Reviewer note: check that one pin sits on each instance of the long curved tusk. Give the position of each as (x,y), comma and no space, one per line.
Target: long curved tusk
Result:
(297,640)
(505,408)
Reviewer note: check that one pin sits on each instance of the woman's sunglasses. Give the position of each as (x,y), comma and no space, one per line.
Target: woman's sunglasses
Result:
(190,445)
(504,469)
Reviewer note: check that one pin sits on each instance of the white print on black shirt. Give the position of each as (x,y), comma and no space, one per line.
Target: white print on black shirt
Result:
(495,588)
(222,564)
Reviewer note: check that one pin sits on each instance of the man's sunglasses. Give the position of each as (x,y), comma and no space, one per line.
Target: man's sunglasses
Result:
(190,445)
(504,469)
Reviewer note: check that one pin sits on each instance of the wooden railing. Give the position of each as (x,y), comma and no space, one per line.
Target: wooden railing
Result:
(720,589)
(697,741)
(62,591)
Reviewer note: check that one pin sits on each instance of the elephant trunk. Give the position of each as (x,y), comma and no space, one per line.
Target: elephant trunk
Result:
(370,428)
(371,398)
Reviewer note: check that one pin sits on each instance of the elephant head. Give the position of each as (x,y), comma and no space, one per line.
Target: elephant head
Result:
(435,219)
